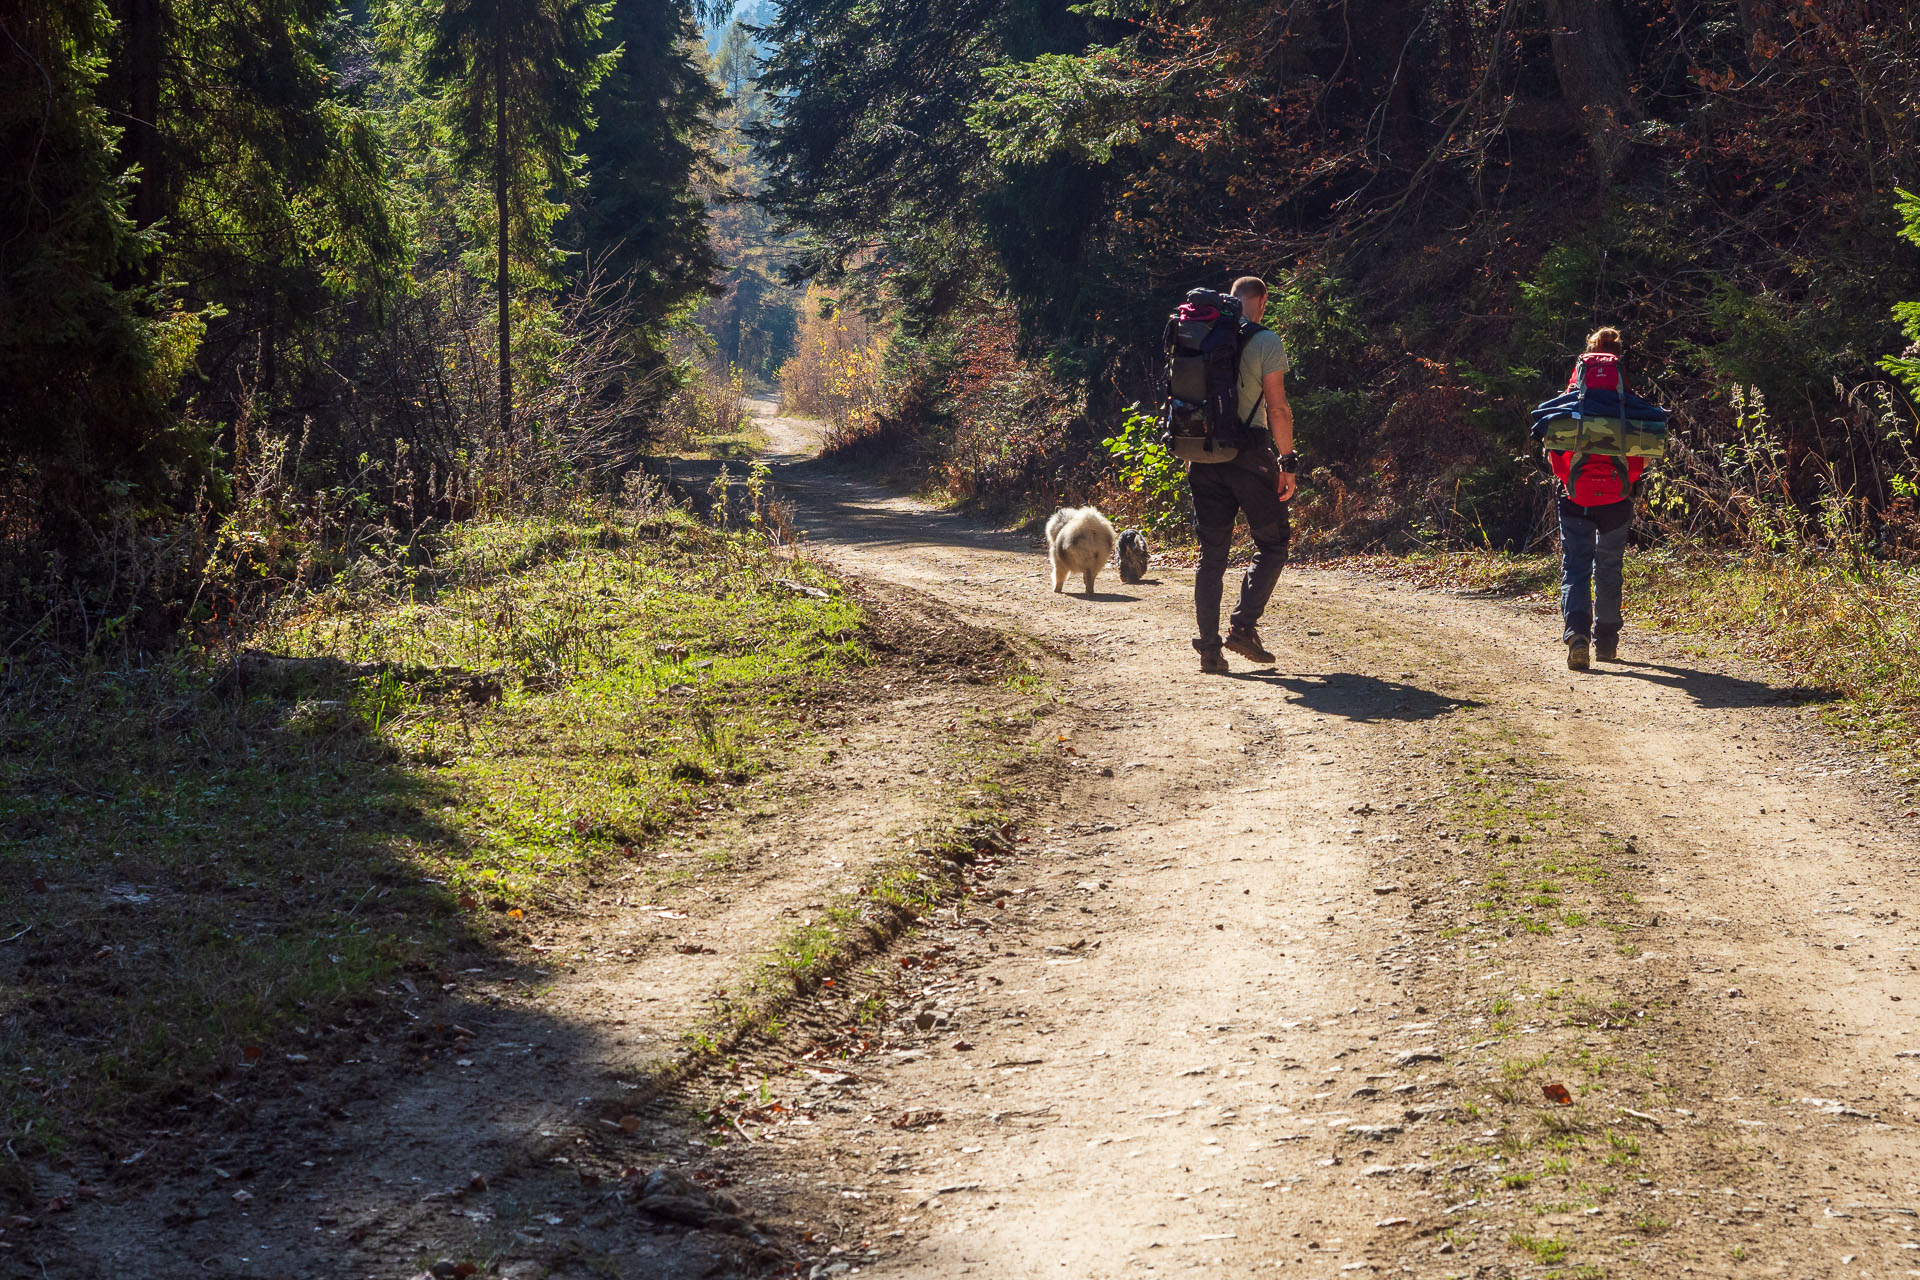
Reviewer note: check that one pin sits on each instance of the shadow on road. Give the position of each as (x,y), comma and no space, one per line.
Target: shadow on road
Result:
(1711,689)
(1358,697)
(858,513)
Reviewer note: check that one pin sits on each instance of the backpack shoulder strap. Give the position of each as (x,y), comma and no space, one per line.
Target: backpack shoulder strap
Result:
(1247,329)
(1246,423)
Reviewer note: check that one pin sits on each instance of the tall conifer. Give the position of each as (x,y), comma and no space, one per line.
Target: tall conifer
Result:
(519,77)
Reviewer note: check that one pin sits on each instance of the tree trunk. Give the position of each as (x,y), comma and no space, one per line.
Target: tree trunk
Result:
(1590,59)
(500,207)
(145,37)
(1390,70)
(734,306)
(1464,69)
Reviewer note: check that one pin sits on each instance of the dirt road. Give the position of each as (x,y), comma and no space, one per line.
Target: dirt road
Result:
(1414,954)
(1299,972)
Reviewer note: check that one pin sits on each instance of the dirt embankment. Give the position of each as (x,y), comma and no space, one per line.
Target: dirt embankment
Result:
(1416,953)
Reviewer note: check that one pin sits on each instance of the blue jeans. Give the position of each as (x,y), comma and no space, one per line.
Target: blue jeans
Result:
(1593,543)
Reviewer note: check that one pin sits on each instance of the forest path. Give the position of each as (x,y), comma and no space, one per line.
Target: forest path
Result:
(1287,975)
(1288,988)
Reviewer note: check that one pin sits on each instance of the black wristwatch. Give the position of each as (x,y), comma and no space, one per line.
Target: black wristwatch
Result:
(1290,462)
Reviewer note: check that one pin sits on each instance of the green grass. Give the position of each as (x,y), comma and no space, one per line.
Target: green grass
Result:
(203,864)
(743,444)
(1545,1249)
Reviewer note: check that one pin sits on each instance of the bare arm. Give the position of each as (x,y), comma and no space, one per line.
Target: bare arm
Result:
(1280,422)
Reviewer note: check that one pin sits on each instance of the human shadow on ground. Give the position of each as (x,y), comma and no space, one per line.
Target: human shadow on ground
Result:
(1361,698)
(1713,690)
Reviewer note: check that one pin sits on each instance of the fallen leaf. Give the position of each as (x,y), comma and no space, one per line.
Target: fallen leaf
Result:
(516,914)
(1557,1092)
(467,902)
(629,1124)
(963,1044)
(252,1052)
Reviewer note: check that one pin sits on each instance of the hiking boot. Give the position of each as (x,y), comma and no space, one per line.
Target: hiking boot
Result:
(1212,663)
(1576,655)
(1247,645)
(1607,650)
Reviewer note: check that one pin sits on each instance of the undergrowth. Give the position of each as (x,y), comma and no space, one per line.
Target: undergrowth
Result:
(203,852)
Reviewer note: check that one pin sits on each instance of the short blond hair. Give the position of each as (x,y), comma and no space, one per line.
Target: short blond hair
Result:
(1249,287)
(1606,339)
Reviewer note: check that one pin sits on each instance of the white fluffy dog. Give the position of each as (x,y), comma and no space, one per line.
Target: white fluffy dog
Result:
(1079,540)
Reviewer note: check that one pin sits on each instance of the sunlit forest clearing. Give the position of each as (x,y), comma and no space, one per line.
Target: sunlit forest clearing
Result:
(527,677)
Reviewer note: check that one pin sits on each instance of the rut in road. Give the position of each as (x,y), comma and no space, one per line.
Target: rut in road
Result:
(1297,986)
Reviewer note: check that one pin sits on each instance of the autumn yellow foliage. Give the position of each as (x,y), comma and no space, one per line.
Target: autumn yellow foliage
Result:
(837,371)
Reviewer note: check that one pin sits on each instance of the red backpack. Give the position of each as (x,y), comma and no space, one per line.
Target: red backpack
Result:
(1600,370)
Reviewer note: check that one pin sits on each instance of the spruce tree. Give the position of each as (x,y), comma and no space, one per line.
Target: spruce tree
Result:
(649,160)
(519,77)
(84,421)
(263,183)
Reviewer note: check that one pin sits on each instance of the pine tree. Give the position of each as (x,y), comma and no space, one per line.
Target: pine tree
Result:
(84,419)
(649,160)
(519,77)
(263,183)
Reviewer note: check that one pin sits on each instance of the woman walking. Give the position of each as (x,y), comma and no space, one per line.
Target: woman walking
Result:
(1596,516)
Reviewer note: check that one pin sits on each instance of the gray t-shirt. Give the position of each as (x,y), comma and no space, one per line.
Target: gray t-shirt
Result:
(1263,354)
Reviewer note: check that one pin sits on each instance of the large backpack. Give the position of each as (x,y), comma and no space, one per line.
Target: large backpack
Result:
(1201,420)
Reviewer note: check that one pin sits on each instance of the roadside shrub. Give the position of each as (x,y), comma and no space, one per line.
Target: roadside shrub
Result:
(708,404)
(1017,435)
(1155,479)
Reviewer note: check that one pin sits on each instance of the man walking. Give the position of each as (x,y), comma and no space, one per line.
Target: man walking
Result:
(1258,481)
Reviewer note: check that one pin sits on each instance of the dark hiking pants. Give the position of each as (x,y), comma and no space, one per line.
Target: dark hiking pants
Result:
(1593,545)
(1222,490)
